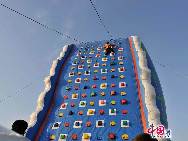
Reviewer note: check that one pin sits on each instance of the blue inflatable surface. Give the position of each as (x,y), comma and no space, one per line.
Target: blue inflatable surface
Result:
(96,97)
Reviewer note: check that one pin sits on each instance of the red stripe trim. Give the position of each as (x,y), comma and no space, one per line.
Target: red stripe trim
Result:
(41,128)
(143,118)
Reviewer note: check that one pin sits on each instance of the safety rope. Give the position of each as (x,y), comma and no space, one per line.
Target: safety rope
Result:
(41,24)
(100,20)
(18,92)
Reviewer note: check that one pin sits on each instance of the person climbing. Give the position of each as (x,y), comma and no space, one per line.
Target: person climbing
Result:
(108,48)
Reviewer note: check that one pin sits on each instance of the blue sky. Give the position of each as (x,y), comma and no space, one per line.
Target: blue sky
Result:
(27,50)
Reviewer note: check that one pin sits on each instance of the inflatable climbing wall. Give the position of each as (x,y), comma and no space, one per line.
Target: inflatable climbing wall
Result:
(90,96)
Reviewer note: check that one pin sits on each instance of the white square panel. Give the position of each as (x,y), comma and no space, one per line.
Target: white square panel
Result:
(56,125)
(124,123)
(77,124)
(90,112)
(102,102)
(121,69)
(75,96)
(103,85)
(63,105)
(100,123)
(82,104)
(78,80)
(122,84)
(88,135)
(112,112)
